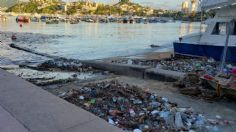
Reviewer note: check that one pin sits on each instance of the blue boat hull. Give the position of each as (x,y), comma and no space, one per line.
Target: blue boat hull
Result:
(205,51)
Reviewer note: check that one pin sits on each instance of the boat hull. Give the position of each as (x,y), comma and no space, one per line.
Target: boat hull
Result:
(205,51)
(24,20)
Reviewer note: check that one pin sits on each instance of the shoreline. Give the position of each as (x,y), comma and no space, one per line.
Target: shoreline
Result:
(50,75)
(28,39)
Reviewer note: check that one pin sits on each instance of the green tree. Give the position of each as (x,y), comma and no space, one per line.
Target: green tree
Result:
(71,11)
(124,1)
(50,9)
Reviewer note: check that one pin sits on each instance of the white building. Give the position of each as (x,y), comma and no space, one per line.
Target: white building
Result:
(185,7)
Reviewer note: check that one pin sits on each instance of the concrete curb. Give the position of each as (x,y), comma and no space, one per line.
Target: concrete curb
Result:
(120,69)
(163,75)
(146,72)
(39,111)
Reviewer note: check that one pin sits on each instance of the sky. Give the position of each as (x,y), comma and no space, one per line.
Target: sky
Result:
(164,4)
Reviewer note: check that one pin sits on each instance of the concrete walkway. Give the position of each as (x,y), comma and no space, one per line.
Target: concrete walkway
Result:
(25,107)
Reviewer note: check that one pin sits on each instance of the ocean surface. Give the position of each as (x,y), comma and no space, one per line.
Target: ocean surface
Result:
(98,40)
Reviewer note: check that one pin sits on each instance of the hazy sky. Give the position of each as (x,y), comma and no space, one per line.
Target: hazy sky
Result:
(166,4)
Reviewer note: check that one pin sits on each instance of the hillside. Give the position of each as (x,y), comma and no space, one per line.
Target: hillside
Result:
(7,3)
(122,8)
(134,8)
(36,7)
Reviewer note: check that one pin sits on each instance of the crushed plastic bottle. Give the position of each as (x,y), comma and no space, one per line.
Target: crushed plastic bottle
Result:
(81,97)
(200,120)
(164,114)
(158,66)
(110,121)
(130,62)
(178,121)
(132,113)
(215,129)
(164,99)
(155,112)
(137,130)
(154,104)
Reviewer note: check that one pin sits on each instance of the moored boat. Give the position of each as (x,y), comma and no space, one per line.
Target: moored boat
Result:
(52,21)
(24,19)
(89,20)
(212,42)
(34,19)
(43,18)
(73,21)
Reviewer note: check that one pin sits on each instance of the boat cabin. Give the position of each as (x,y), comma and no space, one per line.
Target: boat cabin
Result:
(219,39)
(216,29)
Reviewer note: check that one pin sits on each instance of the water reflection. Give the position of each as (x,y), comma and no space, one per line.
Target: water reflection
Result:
(94,40)
(188,28)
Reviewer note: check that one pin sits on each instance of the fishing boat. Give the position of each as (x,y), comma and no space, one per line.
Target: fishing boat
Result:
(34,19)
(219,37)
(74,21)
(43,18)
(89,20)
(52,21)
(23,19)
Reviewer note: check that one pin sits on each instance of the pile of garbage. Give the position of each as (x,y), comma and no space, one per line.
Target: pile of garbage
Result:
(194,86)
(177,64)
(132,109)
(65,65)
(190,65)
(202,77)
(141,62)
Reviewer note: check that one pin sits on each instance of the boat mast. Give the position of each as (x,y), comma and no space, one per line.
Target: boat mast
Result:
(200,3)
(228,32)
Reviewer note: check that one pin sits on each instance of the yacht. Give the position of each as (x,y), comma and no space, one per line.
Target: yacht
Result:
(218,40)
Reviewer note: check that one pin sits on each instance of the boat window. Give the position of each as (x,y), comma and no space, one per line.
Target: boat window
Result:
(220,29)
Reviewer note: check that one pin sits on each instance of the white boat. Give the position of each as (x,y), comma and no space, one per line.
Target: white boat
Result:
(220,31)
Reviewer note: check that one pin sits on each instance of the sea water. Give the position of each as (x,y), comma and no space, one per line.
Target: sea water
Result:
(100,40)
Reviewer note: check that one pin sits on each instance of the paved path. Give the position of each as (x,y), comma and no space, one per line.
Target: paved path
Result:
(25,107)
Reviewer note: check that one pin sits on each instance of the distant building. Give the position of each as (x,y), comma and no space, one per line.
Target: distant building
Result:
(189,9)
(185,7)
(193,7)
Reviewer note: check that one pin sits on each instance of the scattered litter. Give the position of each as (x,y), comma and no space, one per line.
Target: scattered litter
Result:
(111,121)
(137,130)
(81,97)
(178,121)
(65,64)
(62,94)
(176,64)
(130,62)
(92,101)
(218,117)
(133,109)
